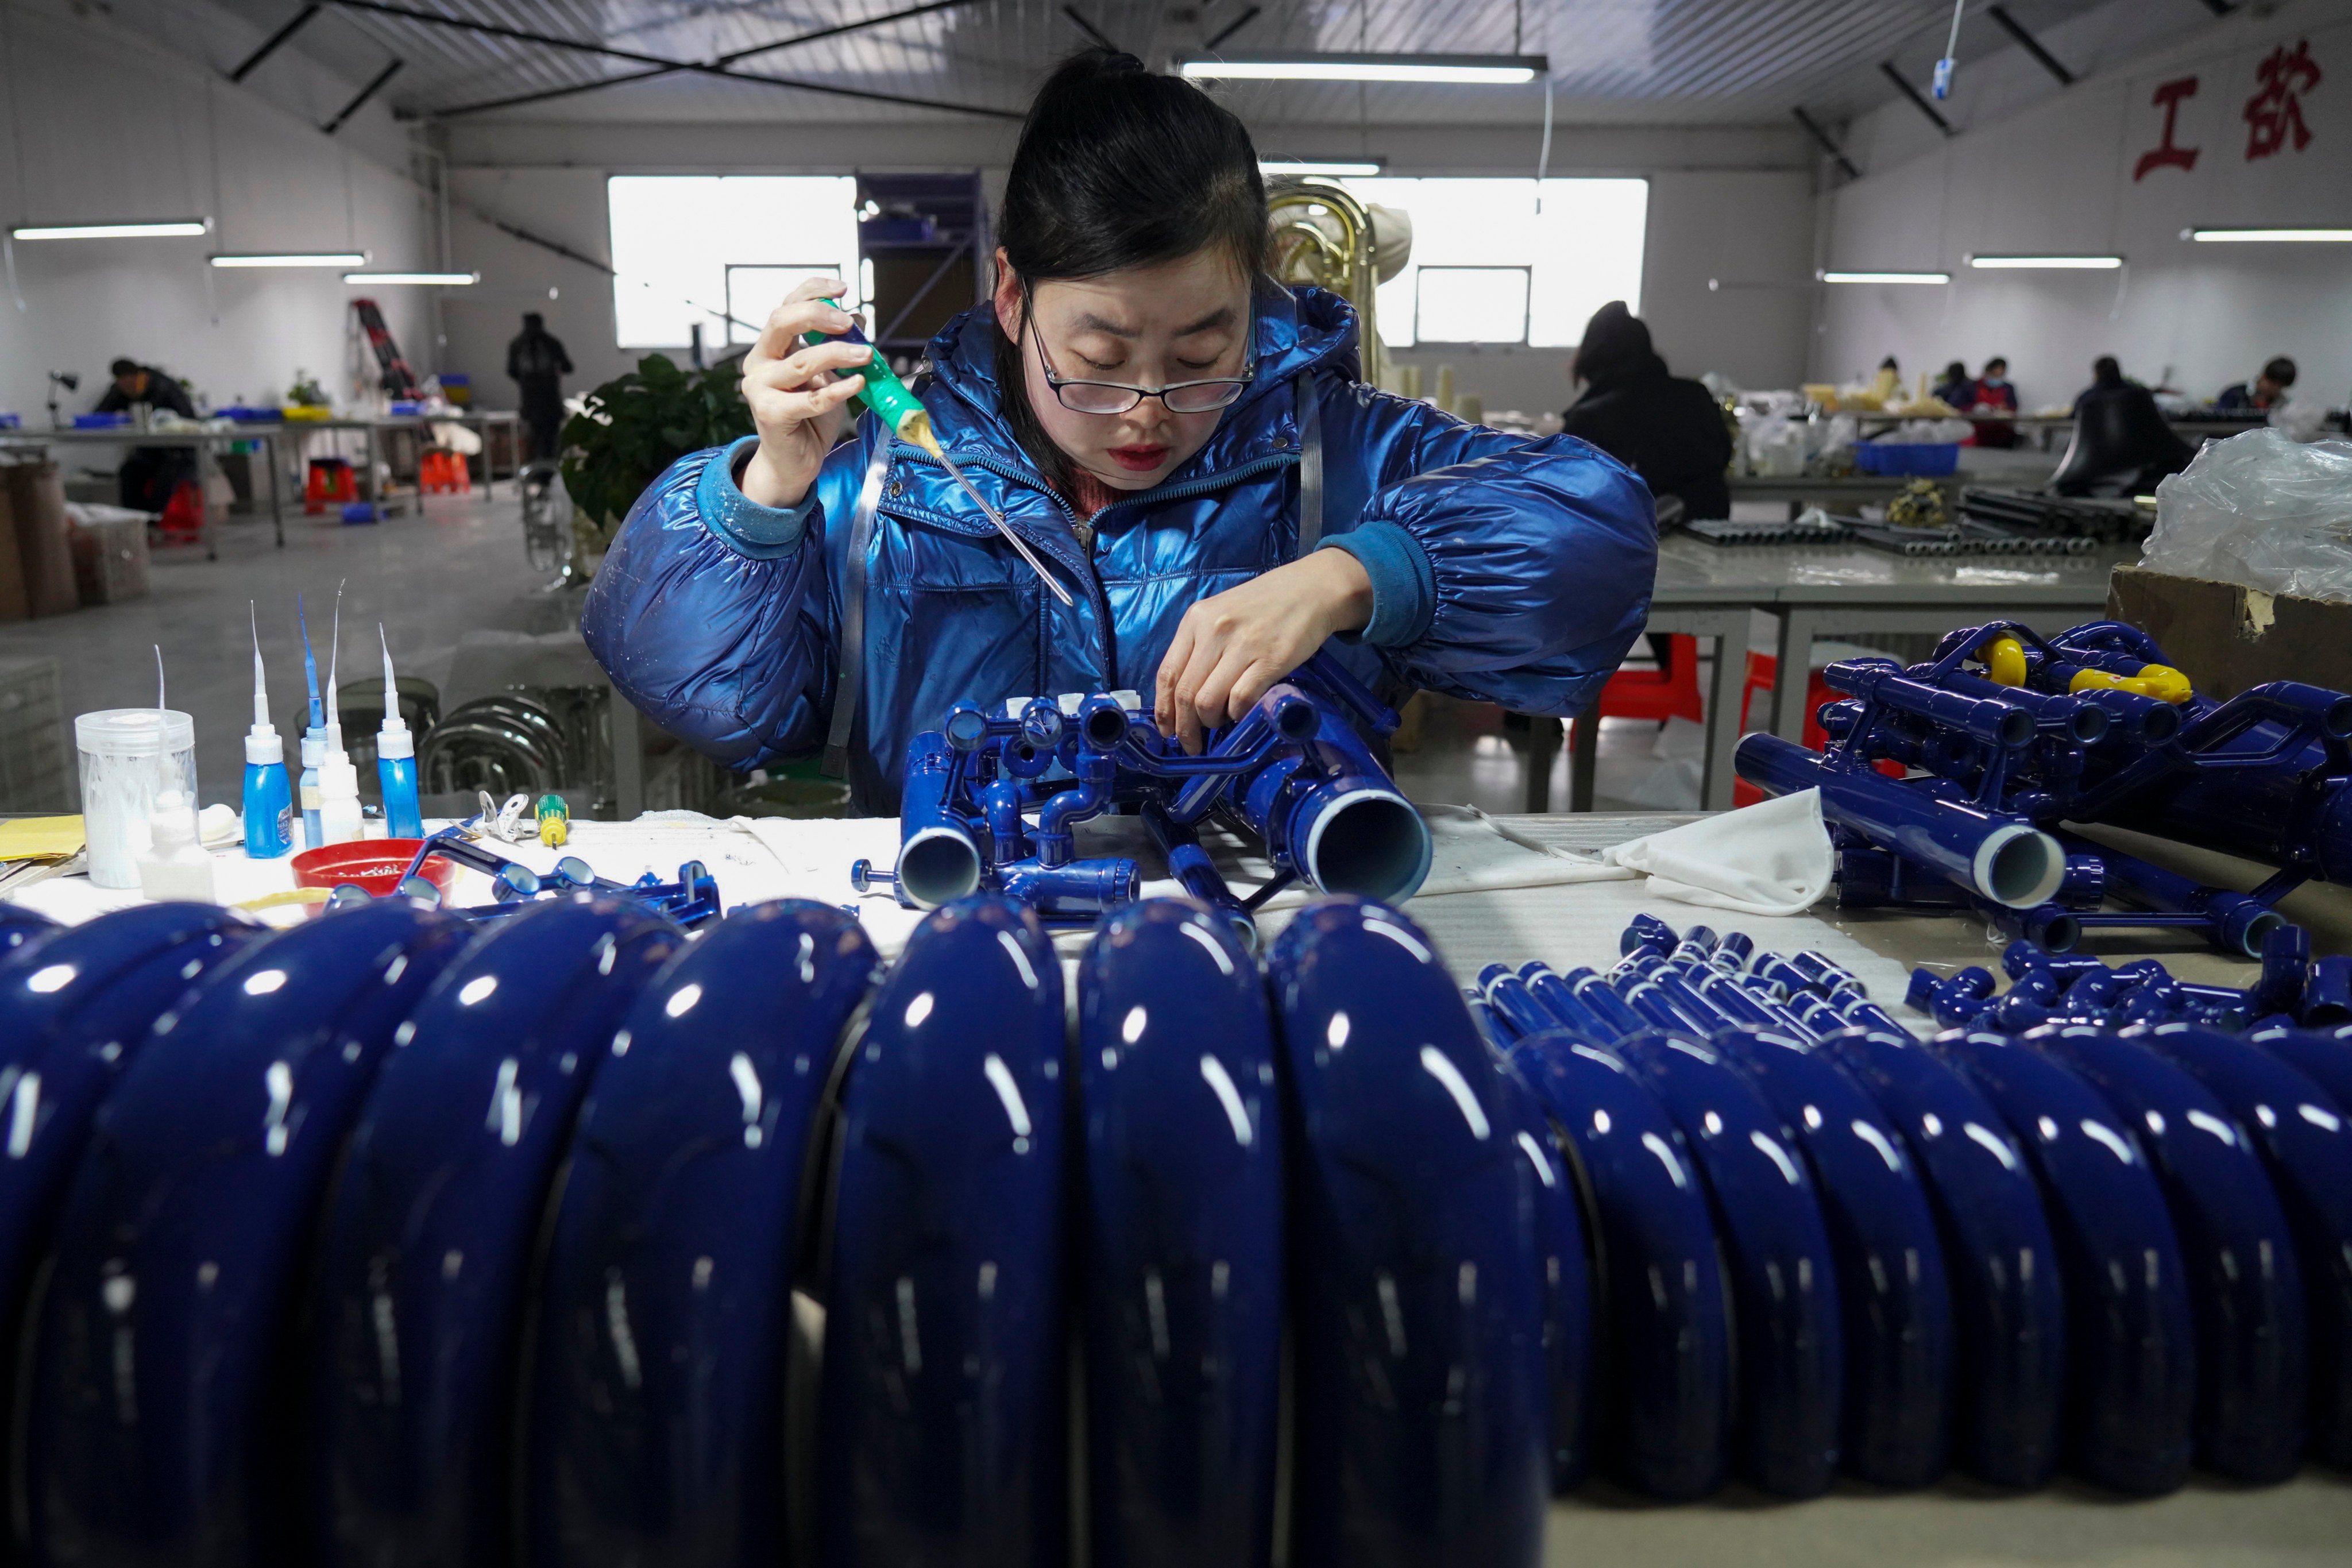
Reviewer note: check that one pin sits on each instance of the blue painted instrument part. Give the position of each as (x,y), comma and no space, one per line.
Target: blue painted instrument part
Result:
(1423,1419)
(2245,1283)
(656,1430)
(1571,1312)
(436,1227)
(1890,1263)
(942,1404)
(183,1244)
(1662,1401)
(19,925)
(1998,1252)
(2131,1343)
(1182,1248)
(74,1008)
(2323,1055)
(2306,1147)
(1784,1280)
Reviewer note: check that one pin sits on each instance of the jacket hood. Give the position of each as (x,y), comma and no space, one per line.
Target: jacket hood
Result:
(1616,347)
(1293,330)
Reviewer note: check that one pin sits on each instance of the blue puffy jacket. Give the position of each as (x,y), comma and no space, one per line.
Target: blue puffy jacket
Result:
(1505,570)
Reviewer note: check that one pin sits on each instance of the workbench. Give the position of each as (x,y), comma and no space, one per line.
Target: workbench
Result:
(373,430)
(1958,1523)
(204,444)
(1811,591)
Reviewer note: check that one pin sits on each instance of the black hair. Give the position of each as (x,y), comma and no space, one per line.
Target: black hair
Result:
(1116,168)
(2106,372)
(1888,363)
(1616,345)
(2280,370)
(1996,359)
(1956,371)
(123,367)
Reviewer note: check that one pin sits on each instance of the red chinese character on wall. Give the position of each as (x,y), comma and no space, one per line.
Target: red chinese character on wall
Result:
(2165,155)
(2274,114)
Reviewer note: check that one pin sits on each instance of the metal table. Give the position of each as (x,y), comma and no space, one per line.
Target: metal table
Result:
(203,443)
(373,431)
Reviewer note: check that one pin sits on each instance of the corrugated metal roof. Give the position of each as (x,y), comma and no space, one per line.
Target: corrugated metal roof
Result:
(1682,61)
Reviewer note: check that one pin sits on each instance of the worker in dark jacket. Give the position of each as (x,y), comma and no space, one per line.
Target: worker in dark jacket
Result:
(2264,392)
(1666,428)
(537,364)
(150,474)
(1143,405)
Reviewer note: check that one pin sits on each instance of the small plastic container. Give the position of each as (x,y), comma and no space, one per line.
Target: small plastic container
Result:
(129,757)
(372,865)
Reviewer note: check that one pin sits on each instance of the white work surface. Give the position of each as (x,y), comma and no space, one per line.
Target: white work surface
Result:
(1524,887)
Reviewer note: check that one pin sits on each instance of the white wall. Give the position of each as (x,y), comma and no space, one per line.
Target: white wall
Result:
(115,126)
(2057,175)
(1724,203)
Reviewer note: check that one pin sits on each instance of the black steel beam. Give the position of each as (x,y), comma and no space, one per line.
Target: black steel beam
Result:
(269,44)
(486,105)
(1827,145)
(696,68)
(2030,44)
(370,91)
(1229,29)
(1089,29)
(2219,7)
(1918,100)
(835,32)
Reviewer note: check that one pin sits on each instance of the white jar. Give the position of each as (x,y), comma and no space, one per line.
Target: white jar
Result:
(129,757)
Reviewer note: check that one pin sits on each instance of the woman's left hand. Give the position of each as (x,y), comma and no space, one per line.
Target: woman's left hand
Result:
(1229,649)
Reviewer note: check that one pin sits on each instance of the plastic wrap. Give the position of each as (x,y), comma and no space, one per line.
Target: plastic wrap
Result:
(2260,509)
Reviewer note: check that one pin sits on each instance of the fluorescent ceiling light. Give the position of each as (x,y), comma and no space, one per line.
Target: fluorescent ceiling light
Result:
(294,259)
(1487,70)
(453,279)
(1886,278)
(1367,168)
(175,229)
(2054,263)
(2262,236)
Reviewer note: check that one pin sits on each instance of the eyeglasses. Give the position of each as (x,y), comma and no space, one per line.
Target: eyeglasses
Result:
(1116,397)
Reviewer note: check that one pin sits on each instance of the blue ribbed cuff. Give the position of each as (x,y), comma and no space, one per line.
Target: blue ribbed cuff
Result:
(1404,589)
(761,532)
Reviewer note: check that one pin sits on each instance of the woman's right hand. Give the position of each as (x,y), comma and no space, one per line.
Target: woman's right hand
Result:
(797,391)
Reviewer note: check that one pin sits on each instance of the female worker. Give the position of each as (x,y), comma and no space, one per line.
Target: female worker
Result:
(1153,414)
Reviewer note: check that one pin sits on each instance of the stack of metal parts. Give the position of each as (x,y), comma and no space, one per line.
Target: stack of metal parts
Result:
(1969,535)
(518,1237)
(2033,512)
(523,743)
(1813,527)
(2005,1251)
(2006,736)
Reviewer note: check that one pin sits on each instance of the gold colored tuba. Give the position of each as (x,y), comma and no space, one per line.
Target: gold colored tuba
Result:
(1326,236)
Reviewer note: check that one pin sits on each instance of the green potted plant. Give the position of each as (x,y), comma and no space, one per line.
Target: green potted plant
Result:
(630,429)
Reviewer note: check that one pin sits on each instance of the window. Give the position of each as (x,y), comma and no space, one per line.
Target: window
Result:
(692,249)
(1499,270)
(1470,305)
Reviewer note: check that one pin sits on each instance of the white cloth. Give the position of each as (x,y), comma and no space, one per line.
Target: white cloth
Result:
(1770,859)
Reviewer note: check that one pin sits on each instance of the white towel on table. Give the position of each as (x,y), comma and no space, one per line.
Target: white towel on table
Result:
(1770,859)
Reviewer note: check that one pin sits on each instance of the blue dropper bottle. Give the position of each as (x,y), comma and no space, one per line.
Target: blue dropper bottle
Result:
(395,758)
(314,738)
(268,804)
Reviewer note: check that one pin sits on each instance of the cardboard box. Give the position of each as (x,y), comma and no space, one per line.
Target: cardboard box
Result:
(37,501)
(110,560)
(2226,638)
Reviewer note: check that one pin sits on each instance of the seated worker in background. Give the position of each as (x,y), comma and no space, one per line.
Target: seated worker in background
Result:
(1993,395)
(2268,390)
(150,474)
(1666,428)
(1956,388)
(1133,400)
(2122,444)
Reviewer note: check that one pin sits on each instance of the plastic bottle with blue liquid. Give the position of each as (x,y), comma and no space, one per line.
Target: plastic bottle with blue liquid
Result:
(395,759)
(269,804)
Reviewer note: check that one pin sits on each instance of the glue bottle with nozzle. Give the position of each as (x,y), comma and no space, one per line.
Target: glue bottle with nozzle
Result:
(339,781)
(395,758)
(268,807)
(314,737)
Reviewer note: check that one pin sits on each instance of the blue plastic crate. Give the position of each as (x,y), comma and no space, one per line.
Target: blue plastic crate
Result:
(101,421)
(1920,459)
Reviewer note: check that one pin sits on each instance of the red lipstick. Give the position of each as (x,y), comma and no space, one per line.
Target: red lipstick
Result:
(1138,459)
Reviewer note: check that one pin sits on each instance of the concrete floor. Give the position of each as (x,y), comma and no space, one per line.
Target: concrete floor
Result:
(457,565)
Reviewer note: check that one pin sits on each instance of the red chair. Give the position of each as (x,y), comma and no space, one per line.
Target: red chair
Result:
(1763,671)
(1656,694)
(332,482)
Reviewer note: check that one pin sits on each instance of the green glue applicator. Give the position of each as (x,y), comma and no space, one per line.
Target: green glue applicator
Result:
(904,413)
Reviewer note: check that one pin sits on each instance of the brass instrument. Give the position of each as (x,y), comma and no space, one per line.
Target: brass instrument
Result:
(1326,236)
